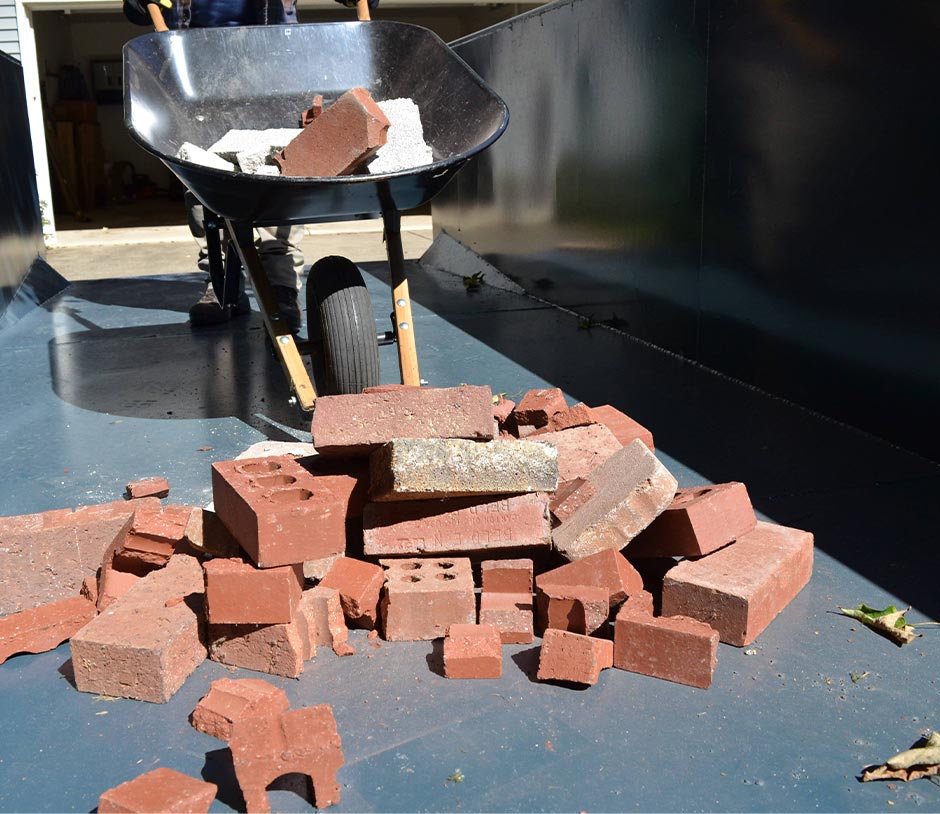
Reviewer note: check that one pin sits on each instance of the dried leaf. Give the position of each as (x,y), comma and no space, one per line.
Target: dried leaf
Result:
(921,760)
(889,622)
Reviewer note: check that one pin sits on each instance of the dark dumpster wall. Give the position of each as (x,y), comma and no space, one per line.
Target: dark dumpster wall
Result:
(25,279)
(750,184)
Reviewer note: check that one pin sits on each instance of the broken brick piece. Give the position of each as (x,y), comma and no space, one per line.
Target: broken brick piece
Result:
(640,602)
(231,699)
(456,525)
(502,409)
(283,511)
(207,534)
(632,489)
(424,597)
(567,656)
(510,614)
(570,496)
(538,406)
(675,648)
(140,648)
(342,137)
(579,415)
(276,649)
(162,790)
(147,487)
(113,585)
(606,569)
(621,425)
(506,576)
(358,424)
(155,535)
(473,651)
(360,588)
(304,741)
(44,628)
(425,468)
(740,588)
(315,109)
(238,593)
(580,449)
(578,608)
(326,623)
(698,521)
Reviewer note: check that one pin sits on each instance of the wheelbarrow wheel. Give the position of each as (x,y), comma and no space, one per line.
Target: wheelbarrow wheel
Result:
(341,321)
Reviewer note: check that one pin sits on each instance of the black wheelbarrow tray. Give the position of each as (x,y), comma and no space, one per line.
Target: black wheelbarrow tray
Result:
(196,85)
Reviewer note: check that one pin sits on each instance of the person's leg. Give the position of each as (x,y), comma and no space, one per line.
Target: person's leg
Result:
(284,264)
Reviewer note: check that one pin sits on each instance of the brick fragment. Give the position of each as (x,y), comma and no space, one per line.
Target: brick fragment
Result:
(579,415)
(155,535)
(326,623)
(360,588)
(283,511)
(304,741)
(578,608)
(607,569)
(90,590)
(473,651)
(510,614)
(740,588)
(698,521)
(570,496)
(633,488)
(538,406)
(580,449)
(426,468)
(140,648)
(620,424)
(359,424)
(567,656)
(238,593)
(507,576)
(315,109)
(230,700)
(162,790)
(276,649)
(147,487)
(37,630)
(640,602)
(424,596)
(675,648)
(113,585)
(456,525)
(502,409)
(207,534)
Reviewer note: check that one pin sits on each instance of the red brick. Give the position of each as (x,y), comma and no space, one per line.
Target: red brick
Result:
(303,741)
(360,588)
(640,602)
(74,540)
(208,535)
(238,593)
(581,449)
(389,388)
(473,651)
(579,415)
(567,656)
(345,134)
(698,521)
(578,608)
(633,488)
(113,585)
(570,496)
(276,649)
(359,424)
(230,700)
(424,597)
(283,512)
(154,536)
(315,109)
(44,628)
(140,648)
(620,424)
(162,790)
(510,614)
(675,648)
(506,576)
(606,569)
(740,588)
(457,525)
(538,406)
(147,487)
(326,623)
(502,409)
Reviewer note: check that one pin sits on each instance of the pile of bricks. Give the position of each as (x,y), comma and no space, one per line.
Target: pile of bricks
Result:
(426,514)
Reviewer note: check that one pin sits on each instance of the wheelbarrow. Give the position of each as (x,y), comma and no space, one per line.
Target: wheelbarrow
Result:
(198,84)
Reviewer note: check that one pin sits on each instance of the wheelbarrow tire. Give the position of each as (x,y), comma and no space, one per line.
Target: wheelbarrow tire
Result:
(340,319)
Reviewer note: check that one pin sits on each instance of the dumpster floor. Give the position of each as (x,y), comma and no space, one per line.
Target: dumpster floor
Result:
(107,383)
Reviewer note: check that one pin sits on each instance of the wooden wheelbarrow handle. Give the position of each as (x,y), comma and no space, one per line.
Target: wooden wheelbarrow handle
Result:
(362,10)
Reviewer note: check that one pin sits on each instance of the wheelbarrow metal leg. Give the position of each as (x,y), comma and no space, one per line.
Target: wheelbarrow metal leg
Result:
(224,273)
(283,340)
(401,300)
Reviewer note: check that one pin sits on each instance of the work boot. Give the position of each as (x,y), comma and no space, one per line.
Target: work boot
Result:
(208,311)
(288,306)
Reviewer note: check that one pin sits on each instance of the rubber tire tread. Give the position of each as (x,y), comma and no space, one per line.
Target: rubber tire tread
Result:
(345,318)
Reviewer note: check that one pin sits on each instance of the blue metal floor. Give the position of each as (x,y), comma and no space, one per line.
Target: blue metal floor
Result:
(108,383)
